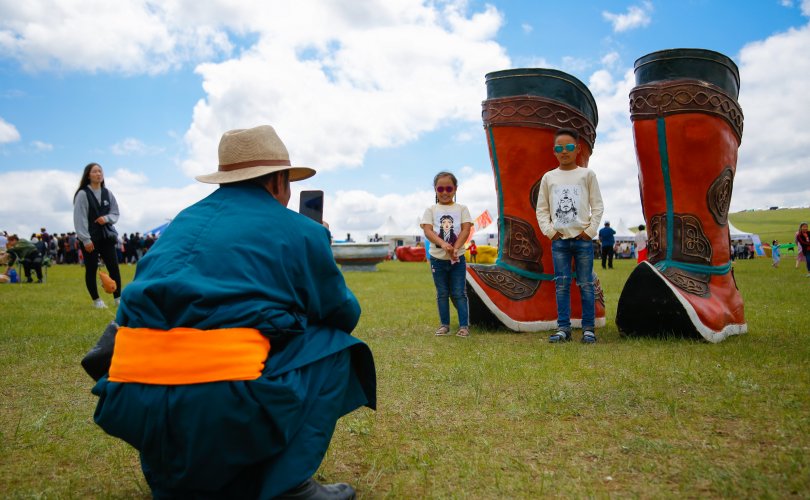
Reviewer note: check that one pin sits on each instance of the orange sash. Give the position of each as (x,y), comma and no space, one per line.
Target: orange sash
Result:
(183,356)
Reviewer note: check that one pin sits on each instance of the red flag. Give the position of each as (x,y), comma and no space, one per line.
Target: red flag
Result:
(480,222)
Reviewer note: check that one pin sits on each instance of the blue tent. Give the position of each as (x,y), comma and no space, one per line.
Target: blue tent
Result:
(156,231)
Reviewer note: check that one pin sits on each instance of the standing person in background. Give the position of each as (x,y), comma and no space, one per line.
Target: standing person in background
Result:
(446,225)
(473,251)
(94,213)
(607,240)
(569,209)
(803,238)
(139,246)
(46,238)
(799,255)
(641,243)
(775,253)
(72,248)
(132,249)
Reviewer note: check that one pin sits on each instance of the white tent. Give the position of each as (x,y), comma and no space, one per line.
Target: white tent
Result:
(487,235)
(623,233)
(396,236)
(747,238)
(736,234)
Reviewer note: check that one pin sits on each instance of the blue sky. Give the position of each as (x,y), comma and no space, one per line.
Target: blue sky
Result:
(376,95)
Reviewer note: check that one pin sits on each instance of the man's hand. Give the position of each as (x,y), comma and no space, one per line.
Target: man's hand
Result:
(101,220)
(90,247)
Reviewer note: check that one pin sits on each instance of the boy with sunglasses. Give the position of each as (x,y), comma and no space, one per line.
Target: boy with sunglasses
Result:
(569,208)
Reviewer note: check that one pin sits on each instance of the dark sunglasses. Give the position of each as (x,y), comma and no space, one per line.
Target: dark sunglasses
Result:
(568,147)
(442,189)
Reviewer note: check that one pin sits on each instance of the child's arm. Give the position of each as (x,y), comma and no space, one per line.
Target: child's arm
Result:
(543,211)
(434,238)
(597,207)
(462,237)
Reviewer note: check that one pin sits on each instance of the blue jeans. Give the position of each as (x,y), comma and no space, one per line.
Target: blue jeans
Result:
(581,251)
(451,283)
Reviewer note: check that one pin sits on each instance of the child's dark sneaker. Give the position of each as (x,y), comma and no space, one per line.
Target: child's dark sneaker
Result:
(588,337)
(560,336)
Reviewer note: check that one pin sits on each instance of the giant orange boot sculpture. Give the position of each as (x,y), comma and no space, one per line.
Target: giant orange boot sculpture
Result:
(523,110)
(687,126)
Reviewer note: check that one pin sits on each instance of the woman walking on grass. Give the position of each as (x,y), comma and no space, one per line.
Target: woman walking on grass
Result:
(95,210)
(799,255)
(803,240)
(447,225)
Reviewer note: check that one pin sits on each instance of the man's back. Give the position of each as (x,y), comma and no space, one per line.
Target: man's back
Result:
(238,259)
(606,236)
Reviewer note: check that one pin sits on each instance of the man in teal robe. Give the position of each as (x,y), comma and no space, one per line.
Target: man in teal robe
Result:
(240,259)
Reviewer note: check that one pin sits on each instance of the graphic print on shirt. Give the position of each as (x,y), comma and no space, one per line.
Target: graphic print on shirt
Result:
(447,230)
(566,201)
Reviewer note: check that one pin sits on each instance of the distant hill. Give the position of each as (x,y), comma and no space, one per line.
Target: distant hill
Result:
(770,225)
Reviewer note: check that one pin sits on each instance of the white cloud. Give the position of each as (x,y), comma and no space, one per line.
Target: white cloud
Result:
(611,59)
(635,17)
(42,146)
(8,132)
(466,135)
(575,65)
(363,83)
(806,7)
(527,28)
(130,36)
(466,171)
(772,167)
(132,146)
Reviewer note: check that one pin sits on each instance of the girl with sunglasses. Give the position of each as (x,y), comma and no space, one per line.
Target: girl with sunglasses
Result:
(447,225)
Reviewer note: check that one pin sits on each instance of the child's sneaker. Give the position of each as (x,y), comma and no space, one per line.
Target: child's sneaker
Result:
(99,304)
(588,337)
(560,336)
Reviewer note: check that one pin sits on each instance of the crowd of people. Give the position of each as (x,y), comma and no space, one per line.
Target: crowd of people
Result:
(64,248)
(741,250)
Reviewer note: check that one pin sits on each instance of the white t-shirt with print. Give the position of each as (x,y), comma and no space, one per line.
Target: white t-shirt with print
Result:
(569,202)
(446,221)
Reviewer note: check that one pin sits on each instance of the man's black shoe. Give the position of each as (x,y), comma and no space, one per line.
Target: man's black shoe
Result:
(313,490)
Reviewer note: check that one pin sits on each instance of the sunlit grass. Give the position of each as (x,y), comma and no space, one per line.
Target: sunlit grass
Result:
(498,415)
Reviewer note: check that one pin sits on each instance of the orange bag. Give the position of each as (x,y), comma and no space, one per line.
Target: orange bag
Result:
(107,283)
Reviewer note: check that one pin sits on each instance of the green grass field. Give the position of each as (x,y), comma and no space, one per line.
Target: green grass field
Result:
(498,415)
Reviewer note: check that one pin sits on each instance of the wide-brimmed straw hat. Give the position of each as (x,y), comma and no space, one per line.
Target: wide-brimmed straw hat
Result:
(249,153)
